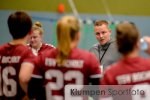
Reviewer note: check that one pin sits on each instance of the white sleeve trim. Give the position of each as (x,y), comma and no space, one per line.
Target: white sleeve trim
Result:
(50,45)
(96,76)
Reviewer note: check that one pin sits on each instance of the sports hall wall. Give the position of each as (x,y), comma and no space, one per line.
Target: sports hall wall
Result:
(47,13)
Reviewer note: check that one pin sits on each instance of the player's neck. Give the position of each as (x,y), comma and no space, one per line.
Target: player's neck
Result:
(18,41)
(133,54)
(74,44)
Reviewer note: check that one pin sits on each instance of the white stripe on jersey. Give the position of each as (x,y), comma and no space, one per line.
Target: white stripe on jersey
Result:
(96,76)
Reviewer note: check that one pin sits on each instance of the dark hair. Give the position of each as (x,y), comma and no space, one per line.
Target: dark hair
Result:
(19,24)
(127,36)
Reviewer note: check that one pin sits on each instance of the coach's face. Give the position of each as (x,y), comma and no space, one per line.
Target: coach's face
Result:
(102,33)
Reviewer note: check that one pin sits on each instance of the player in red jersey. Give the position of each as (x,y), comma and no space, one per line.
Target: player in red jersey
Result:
(15,57)
(65,64)
(37,44)
(131,69)
(36,40)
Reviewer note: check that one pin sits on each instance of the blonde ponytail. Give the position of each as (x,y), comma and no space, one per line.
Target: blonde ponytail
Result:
(67,27)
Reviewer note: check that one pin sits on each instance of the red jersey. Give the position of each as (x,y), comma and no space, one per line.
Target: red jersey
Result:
(44,47)
(128,72)
(11,58)
(78,69)
(133,73)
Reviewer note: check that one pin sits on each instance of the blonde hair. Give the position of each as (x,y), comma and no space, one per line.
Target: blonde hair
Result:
(38,26)
(67,28)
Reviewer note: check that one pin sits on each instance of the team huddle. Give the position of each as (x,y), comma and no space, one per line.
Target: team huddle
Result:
(33,70)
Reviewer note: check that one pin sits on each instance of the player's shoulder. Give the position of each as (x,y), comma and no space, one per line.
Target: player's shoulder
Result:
(17,47)
(144,61)
(84,53)
(81,51)
(50,53)
(23,47)
(48,45)
(112,68)
(2,46)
